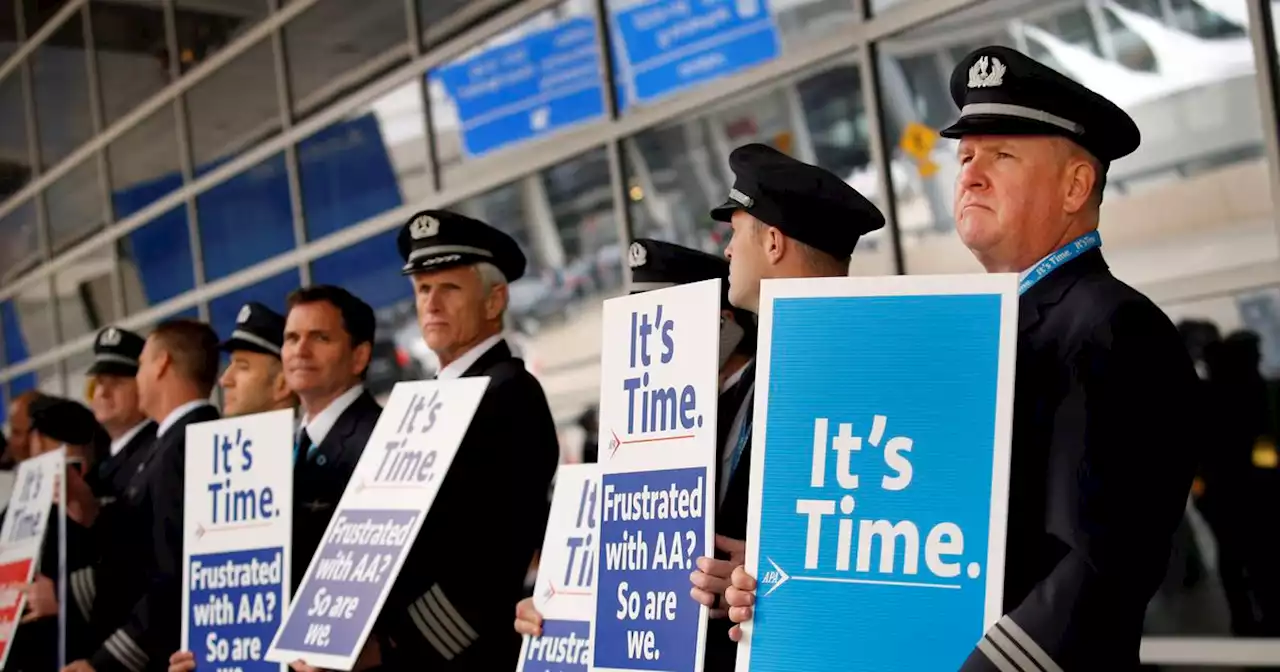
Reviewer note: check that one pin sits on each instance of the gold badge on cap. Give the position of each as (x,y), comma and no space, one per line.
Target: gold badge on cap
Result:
(110,337)
(636,255)
(245,312)
(424,226)
(986,72)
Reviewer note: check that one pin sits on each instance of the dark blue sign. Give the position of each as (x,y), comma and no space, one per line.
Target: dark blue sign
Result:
(547,81)
(236,605)
(337,603)
(565,646)
(671,45)
(651,532)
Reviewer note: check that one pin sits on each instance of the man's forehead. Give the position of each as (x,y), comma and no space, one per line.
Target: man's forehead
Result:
(994,141)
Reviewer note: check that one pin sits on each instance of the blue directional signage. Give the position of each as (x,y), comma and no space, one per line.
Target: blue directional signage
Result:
(671,45)
(527,89)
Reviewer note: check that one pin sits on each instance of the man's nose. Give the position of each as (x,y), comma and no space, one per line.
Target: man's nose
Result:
(973,175)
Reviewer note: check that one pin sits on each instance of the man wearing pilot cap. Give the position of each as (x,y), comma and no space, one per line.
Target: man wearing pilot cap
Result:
(452,612)
(254,381)
(1104,423)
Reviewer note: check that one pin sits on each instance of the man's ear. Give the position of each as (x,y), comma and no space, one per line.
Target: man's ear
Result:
(1079,179)
(775,244)
(496,302)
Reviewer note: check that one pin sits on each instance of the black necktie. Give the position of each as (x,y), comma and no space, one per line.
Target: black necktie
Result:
(303,449)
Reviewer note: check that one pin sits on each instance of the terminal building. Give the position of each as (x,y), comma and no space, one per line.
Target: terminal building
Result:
(163,158)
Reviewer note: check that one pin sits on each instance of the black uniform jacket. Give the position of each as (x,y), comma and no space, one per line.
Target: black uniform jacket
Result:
(731,517)
(1104,439)
(138,605)
(452,605)
(113,475)
(318,482)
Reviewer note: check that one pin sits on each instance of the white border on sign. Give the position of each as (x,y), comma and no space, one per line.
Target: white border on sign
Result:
(1004,285)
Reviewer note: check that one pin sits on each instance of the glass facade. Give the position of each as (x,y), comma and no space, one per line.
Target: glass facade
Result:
(181,157)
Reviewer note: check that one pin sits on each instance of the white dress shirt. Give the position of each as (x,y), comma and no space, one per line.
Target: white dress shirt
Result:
(459,366)
(179,413)
(118,445)
(319,426)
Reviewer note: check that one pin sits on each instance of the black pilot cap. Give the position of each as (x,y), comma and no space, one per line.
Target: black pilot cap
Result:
(803,201)
(433,240)
(1001,91)
(66,421)
(656,264)
(116,352)
(258,329)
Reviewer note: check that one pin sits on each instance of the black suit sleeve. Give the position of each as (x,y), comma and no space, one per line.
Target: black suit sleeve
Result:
(452,604)
(153,628)
(1119,471)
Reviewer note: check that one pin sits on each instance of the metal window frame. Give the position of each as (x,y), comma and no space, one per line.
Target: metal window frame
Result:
(293,175)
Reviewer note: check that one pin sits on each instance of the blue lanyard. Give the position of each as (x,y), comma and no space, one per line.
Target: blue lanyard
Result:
(743,435)
(1059,257)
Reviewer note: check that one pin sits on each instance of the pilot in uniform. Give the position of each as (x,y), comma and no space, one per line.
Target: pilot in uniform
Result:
(450,607)
(115,353)
(1105,422)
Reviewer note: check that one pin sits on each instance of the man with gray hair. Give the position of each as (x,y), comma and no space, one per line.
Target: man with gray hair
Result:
(450,609)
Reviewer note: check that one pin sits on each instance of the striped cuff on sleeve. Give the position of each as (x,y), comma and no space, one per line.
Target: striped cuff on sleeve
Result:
(1011,649)
(83,590)
(122,647)
(441,624)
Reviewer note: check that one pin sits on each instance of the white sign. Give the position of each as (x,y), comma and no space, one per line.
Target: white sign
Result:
(659,392)
(26,523)
(565,590)
(238,510)
(376,522)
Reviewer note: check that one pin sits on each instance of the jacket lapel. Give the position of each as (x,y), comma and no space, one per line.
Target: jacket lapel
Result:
(1050,290)
(498,353)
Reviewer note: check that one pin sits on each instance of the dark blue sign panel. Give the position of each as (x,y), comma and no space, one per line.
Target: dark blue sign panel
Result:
(671,45)
(237,601)
(545,82)
(881,482)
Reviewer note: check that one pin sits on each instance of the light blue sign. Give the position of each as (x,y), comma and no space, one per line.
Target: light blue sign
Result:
(539,85)
(879,518)
(671,45)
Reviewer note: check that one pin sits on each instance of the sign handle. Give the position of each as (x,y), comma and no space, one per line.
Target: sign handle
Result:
(62,566)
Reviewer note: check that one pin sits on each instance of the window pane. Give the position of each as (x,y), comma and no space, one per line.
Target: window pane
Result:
(19,242)
(15,342)
(60,81)
(336,45)
(144,164)
(74,203)
(205,27)
(1192,203)
(271,292)
(132,50)
(246,219)
(84,295)
(15,167)
(367,164)
(532,81)
(678,172)
(668,46)
(33,308)
(155,261)
(234,108)
(369,269)
(36,13)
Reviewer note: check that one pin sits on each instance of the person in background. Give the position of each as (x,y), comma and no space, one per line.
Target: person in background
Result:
(57,422)
(328,343)
(20,425)
(450,611)
(139,595)
(115,405)
(254,380)
(1106,402)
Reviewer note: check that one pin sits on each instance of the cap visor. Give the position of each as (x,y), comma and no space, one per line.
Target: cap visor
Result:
(724,212)
(424,264)
(236,344)
(113,369)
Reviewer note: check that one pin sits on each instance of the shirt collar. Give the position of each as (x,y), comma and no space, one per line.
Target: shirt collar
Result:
(319,426)
(179,413)
(734,378)
(118,445)
(459,366)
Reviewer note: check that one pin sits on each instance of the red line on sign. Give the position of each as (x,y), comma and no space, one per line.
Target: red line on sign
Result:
(618,443)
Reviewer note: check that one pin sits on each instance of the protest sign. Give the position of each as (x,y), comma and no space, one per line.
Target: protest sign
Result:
(564,592)
(658,401)
(376,522)
(238,510)
(26,523)
(879,473)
